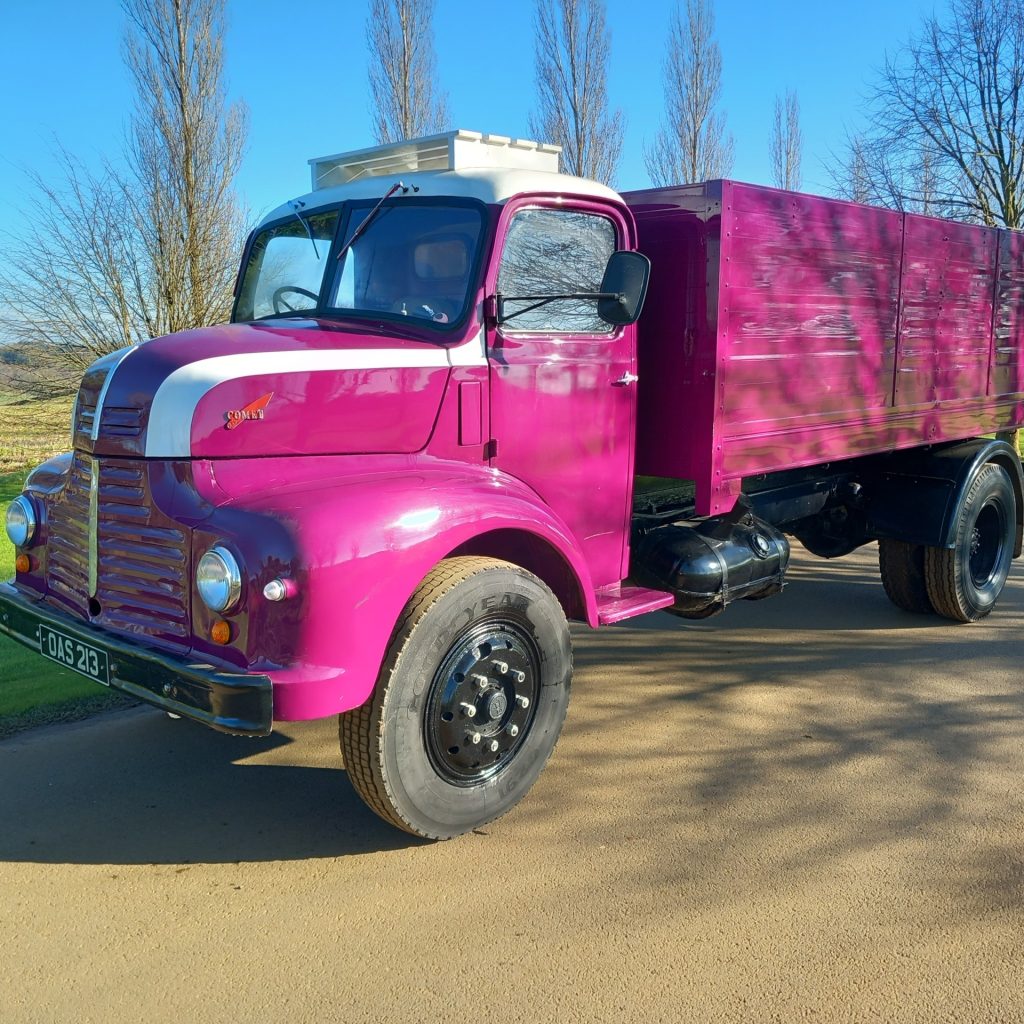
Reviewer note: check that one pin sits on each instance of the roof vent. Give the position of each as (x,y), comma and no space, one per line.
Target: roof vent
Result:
(451,151)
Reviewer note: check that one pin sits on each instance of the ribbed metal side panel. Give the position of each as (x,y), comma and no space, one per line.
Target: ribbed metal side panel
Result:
(807,309)
(946,311)
(67,560)
(143,559)
(1008,322)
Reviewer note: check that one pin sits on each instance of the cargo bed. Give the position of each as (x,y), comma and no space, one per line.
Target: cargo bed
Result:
(786,330)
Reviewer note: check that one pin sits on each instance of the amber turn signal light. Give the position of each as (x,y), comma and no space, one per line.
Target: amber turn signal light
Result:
(220,632)
(22,563)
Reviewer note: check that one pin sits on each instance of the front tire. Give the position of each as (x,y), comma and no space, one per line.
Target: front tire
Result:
(469,702)
(964,582)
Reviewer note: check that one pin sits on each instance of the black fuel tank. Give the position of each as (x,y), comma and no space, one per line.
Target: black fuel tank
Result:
(710,563)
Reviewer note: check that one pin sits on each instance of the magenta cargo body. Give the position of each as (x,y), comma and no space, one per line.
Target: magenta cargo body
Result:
(786,330)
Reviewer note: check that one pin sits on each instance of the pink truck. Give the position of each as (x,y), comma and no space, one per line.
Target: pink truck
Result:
(439,427)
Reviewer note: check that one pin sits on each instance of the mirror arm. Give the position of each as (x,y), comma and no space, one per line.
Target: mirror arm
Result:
(543,300)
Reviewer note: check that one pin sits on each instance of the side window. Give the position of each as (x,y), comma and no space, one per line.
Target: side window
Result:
(555,252)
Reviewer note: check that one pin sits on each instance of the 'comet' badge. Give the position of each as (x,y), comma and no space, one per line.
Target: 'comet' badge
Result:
(252,411)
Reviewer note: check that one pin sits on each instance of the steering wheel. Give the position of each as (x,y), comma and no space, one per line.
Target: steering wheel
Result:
(278,302)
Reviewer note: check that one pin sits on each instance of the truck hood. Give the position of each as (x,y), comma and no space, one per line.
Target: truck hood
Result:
(266,389)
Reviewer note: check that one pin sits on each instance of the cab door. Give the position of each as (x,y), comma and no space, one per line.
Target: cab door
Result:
(563,391)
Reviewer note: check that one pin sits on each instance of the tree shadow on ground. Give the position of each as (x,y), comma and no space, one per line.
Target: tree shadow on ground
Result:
(137,788)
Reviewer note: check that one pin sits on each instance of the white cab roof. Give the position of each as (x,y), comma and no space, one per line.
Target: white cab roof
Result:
(463,164)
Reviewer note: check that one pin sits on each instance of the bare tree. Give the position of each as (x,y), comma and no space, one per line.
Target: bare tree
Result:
(854,180)
(693,144)
(185,150)
(573,49)
(946,130)
(405,100)
(786,144)
(112,258)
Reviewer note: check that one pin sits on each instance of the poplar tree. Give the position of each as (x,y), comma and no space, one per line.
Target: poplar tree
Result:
(693,144)
(573,49)
(405,101)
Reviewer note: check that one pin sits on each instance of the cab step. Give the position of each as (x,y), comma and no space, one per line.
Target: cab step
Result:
(617,602)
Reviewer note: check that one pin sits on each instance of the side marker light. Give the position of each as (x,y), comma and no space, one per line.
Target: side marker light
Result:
(220,632)
(279,590)
(22,563)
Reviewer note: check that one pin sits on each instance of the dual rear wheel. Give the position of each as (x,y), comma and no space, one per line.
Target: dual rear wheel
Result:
(964,582)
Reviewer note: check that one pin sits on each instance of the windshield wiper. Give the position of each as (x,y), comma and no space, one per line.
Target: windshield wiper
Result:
(373,213)
(296,205)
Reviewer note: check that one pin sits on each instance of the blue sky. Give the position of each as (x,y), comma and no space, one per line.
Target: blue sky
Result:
(301,69)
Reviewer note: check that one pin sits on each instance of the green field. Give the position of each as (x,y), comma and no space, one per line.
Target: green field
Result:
(31,431)
(34,691)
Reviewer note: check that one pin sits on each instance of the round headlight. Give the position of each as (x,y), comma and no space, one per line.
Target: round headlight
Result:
(21,522)
(219,579)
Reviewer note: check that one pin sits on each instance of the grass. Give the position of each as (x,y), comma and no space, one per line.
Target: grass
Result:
(34,691)
(31,430)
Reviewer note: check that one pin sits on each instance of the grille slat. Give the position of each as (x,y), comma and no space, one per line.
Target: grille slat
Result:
(67,559)
(118,421)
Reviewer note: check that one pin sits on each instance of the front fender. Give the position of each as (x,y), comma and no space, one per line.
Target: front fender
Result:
(368,529)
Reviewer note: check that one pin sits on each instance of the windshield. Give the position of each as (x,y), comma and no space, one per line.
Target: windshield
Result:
(413,259)
(286,267)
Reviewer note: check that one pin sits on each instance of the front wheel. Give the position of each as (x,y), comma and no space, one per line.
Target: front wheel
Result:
(964,582)
(469,702)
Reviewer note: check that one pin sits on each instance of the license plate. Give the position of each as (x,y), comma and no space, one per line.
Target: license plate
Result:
(74,654)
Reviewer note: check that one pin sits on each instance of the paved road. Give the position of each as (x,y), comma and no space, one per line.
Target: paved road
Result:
(807,809)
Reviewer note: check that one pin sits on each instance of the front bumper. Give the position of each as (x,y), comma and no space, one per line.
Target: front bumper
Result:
(233,702)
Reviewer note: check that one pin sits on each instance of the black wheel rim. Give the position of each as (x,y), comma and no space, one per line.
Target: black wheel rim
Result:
(482,702)
(988,536)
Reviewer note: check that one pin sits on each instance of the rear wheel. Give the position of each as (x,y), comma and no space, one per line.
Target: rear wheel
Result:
(964,582)
(902,568)
(469,703)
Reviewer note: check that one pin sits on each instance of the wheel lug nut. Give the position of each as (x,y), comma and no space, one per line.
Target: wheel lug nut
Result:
(494,745)
(501,666)
(473,737)
(513,729)
(523,702)
(519,677)
(482,682)
(468,709)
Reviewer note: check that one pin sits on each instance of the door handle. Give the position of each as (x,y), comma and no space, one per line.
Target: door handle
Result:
(625,380)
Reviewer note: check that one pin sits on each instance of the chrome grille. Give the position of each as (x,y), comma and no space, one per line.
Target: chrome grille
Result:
(142,584)
(67,557)
(142,557)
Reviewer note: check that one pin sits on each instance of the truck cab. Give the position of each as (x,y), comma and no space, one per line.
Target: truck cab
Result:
(417,379)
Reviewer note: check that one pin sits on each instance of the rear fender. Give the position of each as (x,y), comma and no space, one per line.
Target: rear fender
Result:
(916,494)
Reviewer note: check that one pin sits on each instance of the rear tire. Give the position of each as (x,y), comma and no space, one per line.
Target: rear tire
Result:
(964,582)
(902,569)
(469,702)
